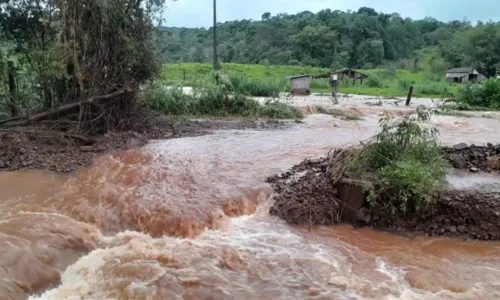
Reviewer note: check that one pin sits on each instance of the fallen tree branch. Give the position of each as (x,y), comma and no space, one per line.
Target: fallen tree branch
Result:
(36,117)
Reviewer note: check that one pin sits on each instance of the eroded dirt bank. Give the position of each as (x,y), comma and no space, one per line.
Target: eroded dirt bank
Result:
(305,196)
(36,148)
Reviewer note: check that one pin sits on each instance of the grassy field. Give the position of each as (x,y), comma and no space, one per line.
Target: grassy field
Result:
(382,82)
(174,73)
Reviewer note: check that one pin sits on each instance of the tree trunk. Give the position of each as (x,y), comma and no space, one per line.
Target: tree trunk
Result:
(14,109)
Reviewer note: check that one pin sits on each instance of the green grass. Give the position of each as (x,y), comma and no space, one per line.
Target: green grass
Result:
(386,82)
(174,73)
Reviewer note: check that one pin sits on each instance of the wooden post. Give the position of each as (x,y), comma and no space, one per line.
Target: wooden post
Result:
(410,93)
(184,74)
(444,94)
(334,93)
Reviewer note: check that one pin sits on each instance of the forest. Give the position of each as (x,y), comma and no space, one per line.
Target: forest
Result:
(333,39)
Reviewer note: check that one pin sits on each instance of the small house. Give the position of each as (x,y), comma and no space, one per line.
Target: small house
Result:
(300,85)
(463,75)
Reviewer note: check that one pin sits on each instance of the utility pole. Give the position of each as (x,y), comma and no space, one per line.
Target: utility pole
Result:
(216,65)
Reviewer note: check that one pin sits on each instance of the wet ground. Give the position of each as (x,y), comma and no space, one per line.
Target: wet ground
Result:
(88,235)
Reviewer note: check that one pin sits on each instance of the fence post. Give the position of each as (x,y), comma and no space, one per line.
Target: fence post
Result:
(184,74)
(410,93)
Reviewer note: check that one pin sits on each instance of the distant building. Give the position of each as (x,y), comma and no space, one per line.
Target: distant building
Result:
(300,85)
(344,73)
(462,75)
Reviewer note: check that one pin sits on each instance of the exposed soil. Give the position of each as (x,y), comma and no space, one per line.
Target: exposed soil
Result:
(305,196)
(39,148)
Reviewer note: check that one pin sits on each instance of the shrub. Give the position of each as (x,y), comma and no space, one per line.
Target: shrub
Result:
(404,84)
(255,87)
(486,95)
(213,100)
(404,163)
(320,84)
(278,110)
(169,100)
(374,82)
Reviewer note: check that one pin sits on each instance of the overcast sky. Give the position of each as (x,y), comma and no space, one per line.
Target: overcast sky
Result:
(198,13)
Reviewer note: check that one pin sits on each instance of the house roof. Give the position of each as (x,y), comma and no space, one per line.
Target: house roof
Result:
(299,76)
(345,71)
(461,70)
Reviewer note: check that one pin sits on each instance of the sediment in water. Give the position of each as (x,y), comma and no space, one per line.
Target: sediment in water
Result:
(38,148)
(306,196)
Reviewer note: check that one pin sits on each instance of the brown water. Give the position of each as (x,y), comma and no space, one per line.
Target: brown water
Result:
(107,232)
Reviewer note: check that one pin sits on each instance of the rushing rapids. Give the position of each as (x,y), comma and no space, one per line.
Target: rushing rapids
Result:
(153,223)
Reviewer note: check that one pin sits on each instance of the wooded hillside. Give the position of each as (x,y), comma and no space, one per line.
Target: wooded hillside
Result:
(362,39)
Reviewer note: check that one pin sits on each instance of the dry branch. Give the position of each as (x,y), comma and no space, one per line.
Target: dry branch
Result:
(50,112)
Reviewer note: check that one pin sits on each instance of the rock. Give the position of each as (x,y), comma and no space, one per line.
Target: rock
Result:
(474,169)
(460,146)
(86,148)
(458,161)
(453,229)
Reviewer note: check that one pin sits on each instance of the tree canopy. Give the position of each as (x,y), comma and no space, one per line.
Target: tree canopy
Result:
(360,39)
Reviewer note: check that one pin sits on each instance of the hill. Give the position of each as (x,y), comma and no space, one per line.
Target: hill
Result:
(333,39)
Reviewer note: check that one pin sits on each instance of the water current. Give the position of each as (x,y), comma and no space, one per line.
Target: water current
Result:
(148,224)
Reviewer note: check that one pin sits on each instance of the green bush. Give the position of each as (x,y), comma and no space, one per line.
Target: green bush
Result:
(485,95)
(213,100)
(255,87)
(374,82)
(404,84)
(278,110)
(169,100)
(405,163)
(409,184)
(320,84)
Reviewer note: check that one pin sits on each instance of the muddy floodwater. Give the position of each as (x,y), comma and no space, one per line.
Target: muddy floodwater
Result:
(100,233)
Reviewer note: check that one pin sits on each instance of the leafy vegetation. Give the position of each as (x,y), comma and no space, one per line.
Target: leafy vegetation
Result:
(338,113)
(363,39)
(80,62)
(480,96)
(403,161)
(212,99)
(384,82)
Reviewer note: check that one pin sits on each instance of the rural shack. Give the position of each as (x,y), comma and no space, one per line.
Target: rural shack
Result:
(463,75)
(343,74)
(300,85)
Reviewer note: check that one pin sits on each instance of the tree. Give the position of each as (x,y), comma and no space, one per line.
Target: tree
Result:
(71,51)
(266,16)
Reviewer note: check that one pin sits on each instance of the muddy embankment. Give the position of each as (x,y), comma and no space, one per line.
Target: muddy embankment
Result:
(39,148)
(305,196)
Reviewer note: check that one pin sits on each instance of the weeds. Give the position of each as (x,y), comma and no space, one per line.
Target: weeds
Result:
(483,96)
(404,162)
(256,87)
(213,100)
(337,113)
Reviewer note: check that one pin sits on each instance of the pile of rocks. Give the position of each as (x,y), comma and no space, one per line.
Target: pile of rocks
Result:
(475,158)
(473,214)
(305,195)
